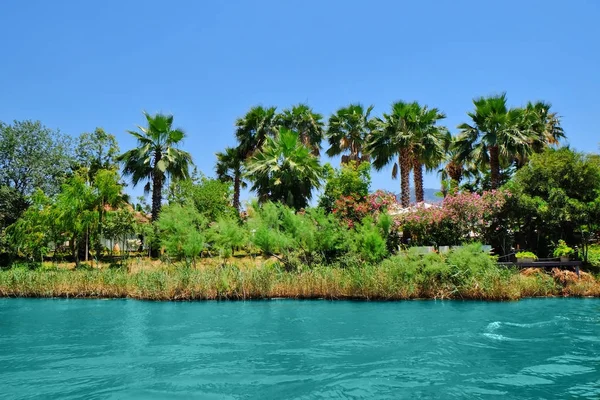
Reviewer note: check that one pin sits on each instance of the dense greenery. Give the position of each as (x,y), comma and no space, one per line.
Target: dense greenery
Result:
(505,179)
(467,273)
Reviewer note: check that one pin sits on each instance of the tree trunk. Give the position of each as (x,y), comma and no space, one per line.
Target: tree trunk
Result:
(455,173)
(157,184)
(156,196)
(495,166)
(99,238)
(418,176)
(236,191)
(404,163)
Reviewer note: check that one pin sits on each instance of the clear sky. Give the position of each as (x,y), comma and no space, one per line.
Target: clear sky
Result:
(76,65)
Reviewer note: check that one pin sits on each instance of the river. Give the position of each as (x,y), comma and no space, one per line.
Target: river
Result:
(287,349)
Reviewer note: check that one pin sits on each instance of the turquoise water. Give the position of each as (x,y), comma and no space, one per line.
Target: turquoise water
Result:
(285,349)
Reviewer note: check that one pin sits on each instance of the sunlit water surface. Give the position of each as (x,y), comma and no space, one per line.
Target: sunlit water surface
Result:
(285,349)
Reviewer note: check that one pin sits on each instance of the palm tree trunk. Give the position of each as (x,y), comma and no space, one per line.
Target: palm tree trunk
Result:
(236,191)
(404,162)
(418,177)
(455,173)
(495,166)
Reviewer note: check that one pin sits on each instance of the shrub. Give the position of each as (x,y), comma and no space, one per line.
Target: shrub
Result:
(525,254)
(562,249)
(181,231)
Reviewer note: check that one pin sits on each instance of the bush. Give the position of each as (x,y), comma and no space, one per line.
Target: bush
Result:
(181,231)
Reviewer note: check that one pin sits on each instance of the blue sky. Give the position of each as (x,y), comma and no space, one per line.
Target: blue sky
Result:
(77,65)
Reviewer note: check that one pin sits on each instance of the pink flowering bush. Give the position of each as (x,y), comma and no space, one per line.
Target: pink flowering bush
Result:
(462,217)
(354,208)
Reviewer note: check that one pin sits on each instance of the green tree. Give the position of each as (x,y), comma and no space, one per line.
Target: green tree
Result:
(494,137)
(309,125)
(229,169)
(397,132)
(350,179)
(428,146)
(555,196)
(107,193)
(253,129)
(348,131)
(32,157)
(33,233)
(182,231)
(75,214)
(95,151)
(211,197)
(285,171)
(157,157)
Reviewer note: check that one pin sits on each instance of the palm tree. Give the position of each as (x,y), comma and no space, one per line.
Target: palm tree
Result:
(348,132)
(428,146)
(542,128)
(309,125)
(156,157)
(394,137)
(494,137)
(253,128)
(229,169)
(284,170)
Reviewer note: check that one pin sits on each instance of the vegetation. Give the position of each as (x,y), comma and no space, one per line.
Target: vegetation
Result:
(526,255)
(467,273)
(506,182)
(563,250)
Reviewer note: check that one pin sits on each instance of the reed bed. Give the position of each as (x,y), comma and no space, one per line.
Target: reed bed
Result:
(393,279)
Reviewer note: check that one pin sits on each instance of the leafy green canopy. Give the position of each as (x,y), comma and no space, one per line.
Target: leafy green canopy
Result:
(285,171)
(156,157)
(32,157)
(350,179)
(555,196)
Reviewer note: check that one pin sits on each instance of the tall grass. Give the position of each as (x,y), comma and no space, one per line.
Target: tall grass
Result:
(464,274)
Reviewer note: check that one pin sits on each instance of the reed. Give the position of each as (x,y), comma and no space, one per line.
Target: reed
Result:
(397,278)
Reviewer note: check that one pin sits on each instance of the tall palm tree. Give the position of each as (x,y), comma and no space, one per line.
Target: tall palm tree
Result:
(156,157)
(428,146)
(394,138)
(542,128)
(284,170)
(493,137)
(309,125)
(348,131)
(253,128)
(229,169)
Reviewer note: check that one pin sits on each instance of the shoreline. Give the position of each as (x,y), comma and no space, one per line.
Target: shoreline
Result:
(369,283)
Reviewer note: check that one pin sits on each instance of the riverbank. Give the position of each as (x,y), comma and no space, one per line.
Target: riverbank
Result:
(394,279)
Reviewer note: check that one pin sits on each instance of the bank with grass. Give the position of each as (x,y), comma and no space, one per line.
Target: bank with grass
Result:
(466,273)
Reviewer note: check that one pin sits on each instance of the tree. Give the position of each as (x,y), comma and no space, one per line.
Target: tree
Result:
(309,125)
(157,157)
(108,193)
(253,128)
(542,128)
(555,196)
(494,137)
(229,169)
(75,214)
(97,150)
(428,146)
(32,234)
(348,131)
(211,197)
(285,170)
(32,157)
(396,134)
(181,229)
(350,179)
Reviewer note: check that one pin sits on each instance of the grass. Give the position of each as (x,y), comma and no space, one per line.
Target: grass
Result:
(461,275)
